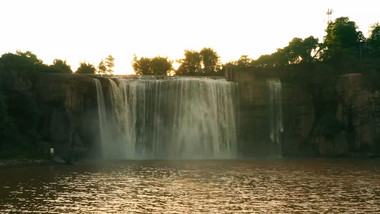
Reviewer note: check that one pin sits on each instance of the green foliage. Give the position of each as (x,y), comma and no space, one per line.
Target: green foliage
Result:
(152,66)
(210,61)
(142,66)
(341,39)
(26,63)
(109,61)
(106,65)
(300,51)
(244,62)
(191,64)
(60,66)
(160,65)
(86,68)
(102,69)
(205,62)
(374,40)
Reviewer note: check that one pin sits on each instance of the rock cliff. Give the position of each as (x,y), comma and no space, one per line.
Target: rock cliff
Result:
(358,114)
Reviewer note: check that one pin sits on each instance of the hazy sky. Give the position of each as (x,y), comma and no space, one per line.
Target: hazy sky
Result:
(89,30)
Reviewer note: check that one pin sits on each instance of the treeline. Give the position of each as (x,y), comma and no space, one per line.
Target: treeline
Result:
(28,62)
(317,67)
(344,48)
(203,63)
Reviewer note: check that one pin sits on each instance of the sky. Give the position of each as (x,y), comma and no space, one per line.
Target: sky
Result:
(90,30)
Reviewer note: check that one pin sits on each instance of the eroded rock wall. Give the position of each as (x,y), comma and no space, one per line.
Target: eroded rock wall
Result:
(59,109)
(358,114)
(69,119)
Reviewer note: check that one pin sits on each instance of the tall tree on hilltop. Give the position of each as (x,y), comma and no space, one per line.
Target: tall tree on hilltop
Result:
(341,37)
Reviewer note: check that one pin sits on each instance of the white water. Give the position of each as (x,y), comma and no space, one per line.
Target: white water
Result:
(101,110)
(276,126)
(187,118)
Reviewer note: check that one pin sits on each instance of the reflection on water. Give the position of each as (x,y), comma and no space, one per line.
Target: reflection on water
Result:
(194,186)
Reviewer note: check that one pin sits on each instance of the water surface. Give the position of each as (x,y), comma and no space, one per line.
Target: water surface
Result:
(231,186)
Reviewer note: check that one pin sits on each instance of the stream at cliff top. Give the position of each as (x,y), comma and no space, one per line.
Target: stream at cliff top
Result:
(196,186)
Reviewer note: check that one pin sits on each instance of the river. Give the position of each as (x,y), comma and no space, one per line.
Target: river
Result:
(196,186)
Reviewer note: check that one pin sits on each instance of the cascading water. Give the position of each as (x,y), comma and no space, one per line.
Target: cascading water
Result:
(276,127)
(101,109)
(179,117)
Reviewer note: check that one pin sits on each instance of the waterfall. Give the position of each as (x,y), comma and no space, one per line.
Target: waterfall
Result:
(276,127)
(178,117)
(101,111)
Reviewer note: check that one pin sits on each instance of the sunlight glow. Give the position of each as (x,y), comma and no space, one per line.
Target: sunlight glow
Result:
(90,30)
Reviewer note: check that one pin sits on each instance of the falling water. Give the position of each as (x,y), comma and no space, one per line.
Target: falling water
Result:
(101,109)
(276,126)
(169,118)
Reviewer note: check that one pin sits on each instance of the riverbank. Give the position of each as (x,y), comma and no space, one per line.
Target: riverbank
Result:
(15,163)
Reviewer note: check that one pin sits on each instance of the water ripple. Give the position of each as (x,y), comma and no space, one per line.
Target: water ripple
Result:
(278,186)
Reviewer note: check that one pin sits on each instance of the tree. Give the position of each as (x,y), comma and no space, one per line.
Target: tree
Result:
(26,65)
(142,66)
(341,37)
(160,65)
(210,61)
(244,61)
(85,68)
(106,65)
(102,69)
(152,66)
(191,64)
(22,62)
(109,61)
(309,49)
(374,39)
(300,50)
(60,66)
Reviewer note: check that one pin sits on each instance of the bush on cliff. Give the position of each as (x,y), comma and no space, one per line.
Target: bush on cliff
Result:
(86,68)
(60,66)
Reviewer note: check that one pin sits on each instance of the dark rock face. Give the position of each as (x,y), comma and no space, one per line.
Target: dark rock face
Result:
(66,116)
(69,119)
(358,113)
(64,107)
(254,118)
(254,127)
(298,120)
